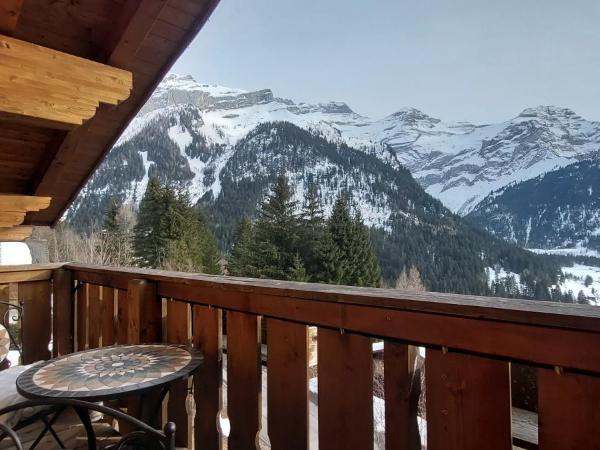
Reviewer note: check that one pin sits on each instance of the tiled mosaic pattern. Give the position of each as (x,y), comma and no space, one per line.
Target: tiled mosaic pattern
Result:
(4,343)
(109,370)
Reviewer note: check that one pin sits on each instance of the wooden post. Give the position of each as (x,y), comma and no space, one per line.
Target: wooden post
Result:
(402,385)
(468,402)
(144,312)
(207,327)
(345,390)
(35,325)
(287,393)
(63,310)
(244,383)
(178,332)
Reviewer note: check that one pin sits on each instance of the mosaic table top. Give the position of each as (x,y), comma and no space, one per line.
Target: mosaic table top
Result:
(109,372)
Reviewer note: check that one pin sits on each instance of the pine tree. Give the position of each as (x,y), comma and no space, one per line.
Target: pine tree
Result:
(110,219)
(276,232)
(356,260)
(172,234)
(297,271)
(241,261)
(147,245)
(365,267)
(312,235)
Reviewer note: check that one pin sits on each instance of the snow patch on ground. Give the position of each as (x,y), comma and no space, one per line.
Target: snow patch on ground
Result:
(14,253)
(575,281)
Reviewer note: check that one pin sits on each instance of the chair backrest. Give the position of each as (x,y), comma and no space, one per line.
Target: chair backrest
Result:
(143,436)
(4,343)
(10,317)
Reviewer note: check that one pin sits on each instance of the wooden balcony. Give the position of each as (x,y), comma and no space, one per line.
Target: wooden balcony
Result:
(470,345)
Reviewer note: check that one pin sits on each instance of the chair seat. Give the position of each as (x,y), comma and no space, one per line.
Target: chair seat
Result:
(9,396)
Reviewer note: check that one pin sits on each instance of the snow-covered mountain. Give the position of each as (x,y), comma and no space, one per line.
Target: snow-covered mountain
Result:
(559,210)
(458,162)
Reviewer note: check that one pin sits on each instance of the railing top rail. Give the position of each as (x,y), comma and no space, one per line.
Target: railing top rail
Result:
(530,312)
(27,272)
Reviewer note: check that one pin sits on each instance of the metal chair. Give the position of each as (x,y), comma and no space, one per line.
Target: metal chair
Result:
(143,436)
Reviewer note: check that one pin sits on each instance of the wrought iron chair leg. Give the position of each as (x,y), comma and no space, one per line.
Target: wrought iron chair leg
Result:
(89,429)
(48,428)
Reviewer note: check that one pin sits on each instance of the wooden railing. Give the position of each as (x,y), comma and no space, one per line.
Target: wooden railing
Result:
(470,344)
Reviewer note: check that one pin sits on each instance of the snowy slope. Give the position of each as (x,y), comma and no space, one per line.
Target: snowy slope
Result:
(457,162)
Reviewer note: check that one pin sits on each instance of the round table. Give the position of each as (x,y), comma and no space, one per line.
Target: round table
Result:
(146,370)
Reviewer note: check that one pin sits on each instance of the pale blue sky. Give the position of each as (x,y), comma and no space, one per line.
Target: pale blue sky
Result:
(476,60)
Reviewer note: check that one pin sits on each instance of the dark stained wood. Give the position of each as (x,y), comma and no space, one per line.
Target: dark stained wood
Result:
(207,328)
(468,402)
(95,316)
(82,316)
(36,323)
(401,388)
(63,304)
(178,332)
(385,313)
(530,312)
(108,316)
(345,390)
(122,319)
(568,411)
(144,312)
(120,37)
(287,393)
(9,15)
(243,380)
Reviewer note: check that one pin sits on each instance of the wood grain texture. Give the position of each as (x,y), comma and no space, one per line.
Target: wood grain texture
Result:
(401,389)
(207,335)
(9,15)
(178,332)
(36,323)
(122,318)
(244,384)
(144,312)
(45,98)
(81,317)
(108,316)
(63,309)
(94,316)
(468,402)
(118,35)
(15,234)
(345,390)
(287,393)
(568,411)
(425,318)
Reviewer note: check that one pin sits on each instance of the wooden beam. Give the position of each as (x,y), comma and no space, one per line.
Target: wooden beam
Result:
(9,15)
(11,218)
(23,203)
(53,86)
(15,234)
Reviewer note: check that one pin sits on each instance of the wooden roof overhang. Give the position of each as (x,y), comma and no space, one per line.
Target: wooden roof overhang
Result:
(47,157)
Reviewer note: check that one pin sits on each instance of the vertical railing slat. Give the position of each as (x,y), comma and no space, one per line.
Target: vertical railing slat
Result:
(345,390)
(568,411)
(468,402)
(287,392)
(94,316)
(143,312)
(122,319)
(36,322)
(108,316)
(63,310)
(243,379)
(207,331)
(178,332)
(82,316)
(401,388)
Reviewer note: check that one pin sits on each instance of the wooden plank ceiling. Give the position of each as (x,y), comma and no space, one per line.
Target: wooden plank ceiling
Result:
(144,37)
